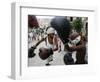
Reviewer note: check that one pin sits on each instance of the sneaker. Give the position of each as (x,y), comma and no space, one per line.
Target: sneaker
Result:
(47,64)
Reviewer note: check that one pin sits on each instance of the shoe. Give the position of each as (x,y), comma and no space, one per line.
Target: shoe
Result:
(47,64)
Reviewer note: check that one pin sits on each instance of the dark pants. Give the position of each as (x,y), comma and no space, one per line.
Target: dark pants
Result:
(80,56)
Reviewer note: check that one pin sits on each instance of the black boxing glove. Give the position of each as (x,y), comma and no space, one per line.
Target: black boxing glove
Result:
(62,26)
(31,52)
(44,53)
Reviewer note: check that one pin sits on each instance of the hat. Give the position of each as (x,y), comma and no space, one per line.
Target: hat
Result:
(50,30)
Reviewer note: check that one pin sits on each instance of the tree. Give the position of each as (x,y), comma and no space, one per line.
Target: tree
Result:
(77,24)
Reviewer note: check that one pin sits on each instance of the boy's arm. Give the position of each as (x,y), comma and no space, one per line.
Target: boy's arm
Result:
(78,47)
(39,42)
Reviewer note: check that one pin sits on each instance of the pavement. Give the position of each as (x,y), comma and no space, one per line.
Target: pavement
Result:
(57,57)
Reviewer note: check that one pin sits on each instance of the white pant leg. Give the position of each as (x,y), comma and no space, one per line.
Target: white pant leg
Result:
(50,58)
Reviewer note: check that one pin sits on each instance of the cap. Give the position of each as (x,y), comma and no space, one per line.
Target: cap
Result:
(50,30)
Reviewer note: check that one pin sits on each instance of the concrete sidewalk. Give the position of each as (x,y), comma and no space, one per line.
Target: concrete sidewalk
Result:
(57,58)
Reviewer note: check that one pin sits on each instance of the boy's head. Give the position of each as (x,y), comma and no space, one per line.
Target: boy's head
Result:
(50,32)
(32,21)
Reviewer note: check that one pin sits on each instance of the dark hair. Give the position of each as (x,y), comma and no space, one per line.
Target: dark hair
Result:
(32,21)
